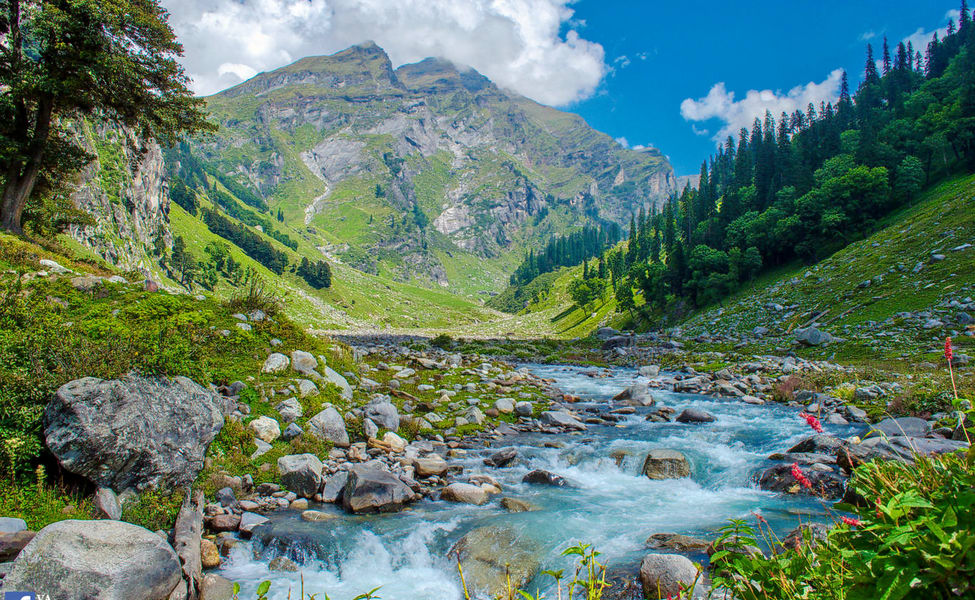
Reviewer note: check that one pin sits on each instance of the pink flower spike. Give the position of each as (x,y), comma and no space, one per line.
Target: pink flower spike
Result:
(948,353)
(851,522)
(812,421)
(800,476)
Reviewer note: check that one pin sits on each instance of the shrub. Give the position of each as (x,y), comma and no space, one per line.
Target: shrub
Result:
(442,341)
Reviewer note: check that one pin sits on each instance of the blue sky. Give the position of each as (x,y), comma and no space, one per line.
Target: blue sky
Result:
(667,74)
(673,53)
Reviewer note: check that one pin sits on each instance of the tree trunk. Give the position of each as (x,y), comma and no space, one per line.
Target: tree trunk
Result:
(22,177)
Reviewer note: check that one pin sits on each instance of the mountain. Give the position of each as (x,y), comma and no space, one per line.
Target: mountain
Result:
(428,172)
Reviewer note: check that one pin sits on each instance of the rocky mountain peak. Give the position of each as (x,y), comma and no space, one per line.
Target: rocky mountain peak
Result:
(437,75)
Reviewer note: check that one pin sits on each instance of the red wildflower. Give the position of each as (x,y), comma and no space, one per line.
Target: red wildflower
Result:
(851,522)
(812,421)
(760,518)
(800,476)
(877,502)
(948,353)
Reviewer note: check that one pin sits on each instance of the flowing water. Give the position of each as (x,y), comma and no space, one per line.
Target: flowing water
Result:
(615,508)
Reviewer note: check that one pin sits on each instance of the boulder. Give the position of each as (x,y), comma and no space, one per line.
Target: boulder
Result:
(107,505)
(515,505)
(370,489)
(807,534)
(538,476)
(901,426)
(649,371)
(216,587)
(383,413)
(811,336)
(248,521)
(335,486)
(465,493)
(676,542)
(524,409)
(825,484)
(265,428)
(209,555)
(290,409)
(12,543)
(109,560)
(12,525)
(505,405)
(694,415)
(560,418)
(817,444)
(334,378)
(474,415)
(301,473)
(330,426)
(291,432)
(666,464)
(430,466)
(664,575)
(501,458)
(275,363)
(305,363)
(491,554)
(133,432)
(306,387)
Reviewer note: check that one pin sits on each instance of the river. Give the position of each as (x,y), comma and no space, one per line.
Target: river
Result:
(615,508)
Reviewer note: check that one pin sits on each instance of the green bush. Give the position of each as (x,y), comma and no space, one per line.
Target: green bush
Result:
(913,537)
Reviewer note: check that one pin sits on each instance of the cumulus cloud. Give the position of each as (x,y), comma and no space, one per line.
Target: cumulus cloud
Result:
(720,104)
(920,38)
(622,142)
(516,43)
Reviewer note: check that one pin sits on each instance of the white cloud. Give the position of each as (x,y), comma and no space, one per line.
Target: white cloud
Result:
(516,43)
(701,132)
(622,142)
(920,38)
(734,114)
(867,35)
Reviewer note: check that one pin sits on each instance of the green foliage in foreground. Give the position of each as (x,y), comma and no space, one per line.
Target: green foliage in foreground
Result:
(914,535)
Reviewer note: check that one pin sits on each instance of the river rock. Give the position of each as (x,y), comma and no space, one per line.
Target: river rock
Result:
(275,363)
(560,418)
(676,542)
(524,409)
(330,426)
(825,483)
(666,464)
(491,554)
(335,486)
(12,525)
(664,575)
(370,489)
(694,415)
(109,560)
(248,521)
(430,466)
(538,476)
(901,426)
(301,473)
(505,405)
(12,543)
(465,493)
(818,444)
(107,505)
(501,458)
(209,555)
(515,505)
(807,534)
(637,394)
(265,428)
(133,432)
(383,413)
(282,563)
(334,378)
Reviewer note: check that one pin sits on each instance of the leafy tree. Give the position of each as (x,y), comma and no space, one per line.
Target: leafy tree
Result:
(909,178)
(586,292)
(61,60)
(318,274)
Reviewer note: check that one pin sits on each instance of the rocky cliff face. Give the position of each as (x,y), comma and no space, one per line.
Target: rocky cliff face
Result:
(404,168)
(125,191)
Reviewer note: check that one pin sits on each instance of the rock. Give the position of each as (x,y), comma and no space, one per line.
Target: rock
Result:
(491,554)
(505,405)
(187,535)
(262,448)
(248,521)
(405,373)
(854,413)
(818,444)
(301,473)
(315,516)
(12,543)
(216,587)
(676,542)
(299,504)
(394,442)
(334,486)
(604,333)
(330,426)
(666,464)
(383,413)
(694,415)
(224,522)
(86,283)
(933,324)
(53,267)
(209,554)
(541,477)
(265,428)
(515,505)
(430,466)
(226,497)
(107,505)
(291,432)
(524,409)
(650,371)
(909,426)
(638,394)
(109,560)
(306,387)
(12,525)
(501,458)
(370,489)
(465,493)
(244,326)
(825,483)
(559,418)
(370,429)
(275,363)
(290,409)
(474,415)
(334,378)
(751,400)
(282,563)
(665,575)
(305,363)
(808,534)
(132,432)
(811,336)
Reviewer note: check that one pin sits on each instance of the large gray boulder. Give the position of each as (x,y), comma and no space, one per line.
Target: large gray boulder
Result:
(329,425)
(560,418)
(383,413)
(305,363)
(664,575)
(332,377)
(901,426)
(811,336)
(465,493)
(108,560)
(666,464)
(133,432)
(369,489)
(490,554)
(301,473)
(695,415)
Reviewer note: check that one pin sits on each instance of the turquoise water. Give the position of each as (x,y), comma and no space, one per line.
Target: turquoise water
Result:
(612,507)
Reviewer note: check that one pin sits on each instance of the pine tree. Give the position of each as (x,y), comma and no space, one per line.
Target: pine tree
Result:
(870,72)
(886,57)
